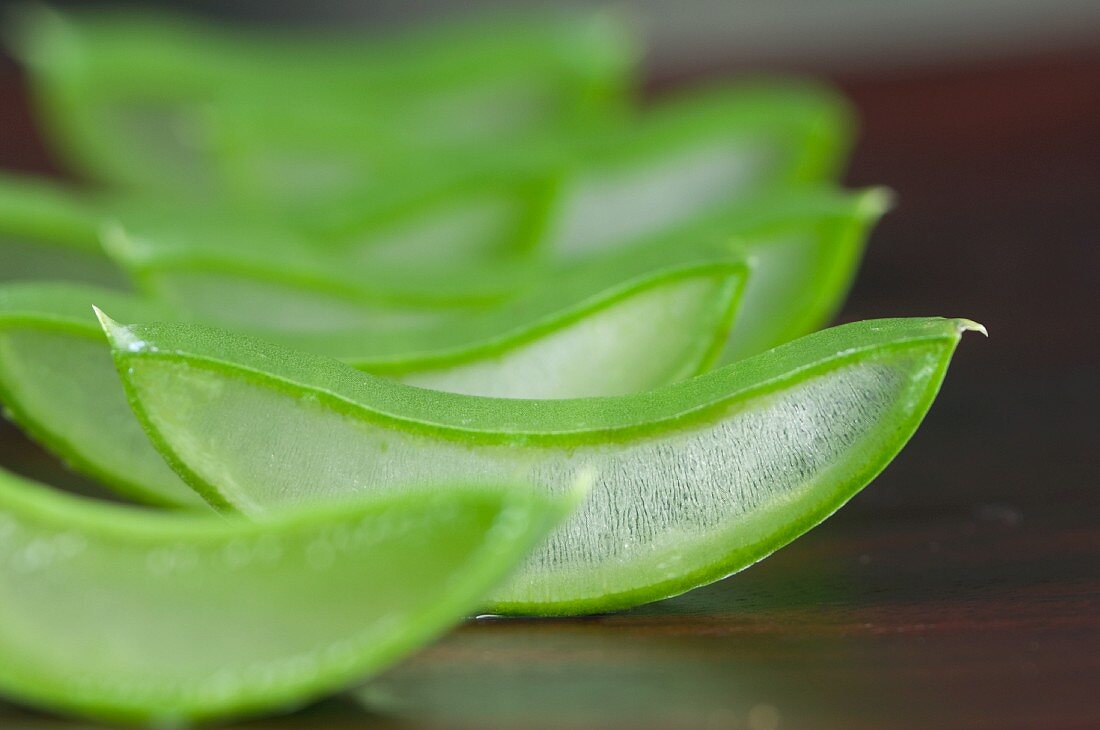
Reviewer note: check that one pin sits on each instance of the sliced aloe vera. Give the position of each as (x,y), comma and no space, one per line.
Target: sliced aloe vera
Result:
(269,279)
(806,245)
(47,231)
(628,179)
(111,612)
(805,249)
(58,382)
(690,482)
(622,179)
(596,331)
(128,96)
(692,153)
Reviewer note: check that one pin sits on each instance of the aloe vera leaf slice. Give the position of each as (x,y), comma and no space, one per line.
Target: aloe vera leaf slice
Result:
(261,278)
(598,332)
(692,153)
(58,382)
(123,93)
(691,482)
(49,231)
(613,183)
(697,152)
(804,246)
(264,279)
(471,219)
(805,250)
(117,613)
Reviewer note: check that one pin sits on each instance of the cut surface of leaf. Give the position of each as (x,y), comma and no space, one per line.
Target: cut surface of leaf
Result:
(689,483)
(58,382)
(117,613)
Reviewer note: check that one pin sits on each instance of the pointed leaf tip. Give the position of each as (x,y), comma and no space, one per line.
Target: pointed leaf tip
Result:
(105,322)
(118,335)
(876,202)
(969,325)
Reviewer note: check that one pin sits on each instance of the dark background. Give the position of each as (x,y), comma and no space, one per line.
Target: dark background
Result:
(963,588)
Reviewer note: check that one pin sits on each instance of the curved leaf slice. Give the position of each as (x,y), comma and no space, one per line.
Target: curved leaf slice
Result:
(597,332)
(58,382)
(640,174)
(128,96)
(706,147)
(806,245)
(593,331)
(804,250)
(269,279)
(690,482)
(111,612)
(48,231)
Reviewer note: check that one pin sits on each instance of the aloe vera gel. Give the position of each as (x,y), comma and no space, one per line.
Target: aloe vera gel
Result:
(363,336)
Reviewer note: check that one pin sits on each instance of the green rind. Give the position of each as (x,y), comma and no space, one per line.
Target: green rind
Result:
(476,419)
(521,520)
(555,307)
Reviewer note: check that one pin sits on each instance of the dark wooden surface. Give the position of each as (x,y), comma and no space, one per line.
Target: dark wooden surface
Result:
(962,589)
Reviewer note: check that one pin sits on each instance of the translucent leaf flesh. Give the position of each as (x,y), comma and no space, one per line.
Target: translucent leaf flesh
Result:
(690,482)
(116,613)
(804,246)
(594,337)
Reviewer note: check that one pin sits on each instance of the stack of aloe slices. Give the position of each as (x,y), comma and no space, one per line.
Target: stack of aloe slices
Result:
(462,329)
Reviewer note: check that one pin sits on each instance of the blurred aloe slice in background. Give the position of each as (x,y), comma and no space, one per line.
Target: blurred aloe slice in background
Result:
(595,331)
(117,613)
(696,150)
(126,96)
(58,383)
(690,482)
(639,170)
(804,250)
(650,320)
(263,278)
(49,231)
